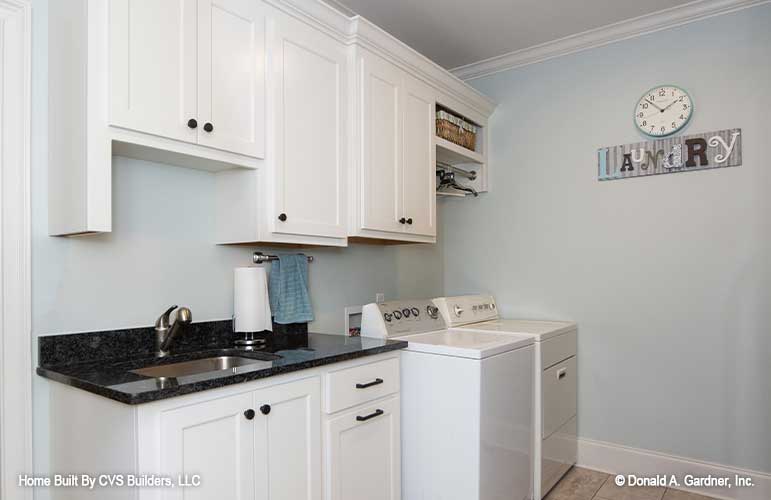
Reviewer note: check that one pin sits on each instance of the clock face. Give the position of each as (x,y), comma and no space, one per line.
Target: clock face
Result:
(663,111)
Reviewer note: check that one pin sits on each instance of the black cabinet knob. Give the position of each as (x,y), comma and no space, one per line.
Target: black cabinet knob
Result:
(265,409)
(402,220)
(409,221)
(282,217)
(192,123)
(249,414)
(208,127)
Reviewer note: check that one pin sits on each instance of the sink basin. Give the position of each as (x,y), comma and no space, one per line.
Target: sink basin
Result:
(213,364)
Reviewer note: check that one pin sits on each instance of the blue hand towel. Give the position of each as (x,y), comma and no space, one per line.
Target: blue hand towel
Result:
(288,290)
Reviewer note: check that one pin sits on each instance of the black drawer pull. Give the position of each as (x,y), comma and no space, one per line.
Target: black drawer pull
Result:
(376,413)
(377,381)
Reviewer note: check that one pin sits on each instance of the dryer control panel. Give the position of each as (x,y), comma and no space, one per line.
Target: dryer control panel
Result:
(400,317)
(467,309)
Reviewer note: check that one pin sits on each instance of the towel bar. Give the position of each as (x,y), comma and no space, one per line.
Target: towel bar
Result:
(261,258)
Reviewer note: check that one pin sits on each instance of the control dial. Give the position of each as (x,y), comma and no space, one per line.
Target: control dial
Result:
(415,311)
(397,315)
(387,317)
(432,311)
(406,312)
(458,310)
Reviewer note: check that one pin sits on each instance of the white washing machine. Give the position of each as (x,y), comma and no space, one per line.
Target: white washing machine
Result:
(467,405)
(555,445)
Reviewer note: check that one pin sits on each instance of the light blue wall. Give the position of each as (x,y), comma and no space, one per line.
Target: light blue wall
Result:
(160,253)
(669,277)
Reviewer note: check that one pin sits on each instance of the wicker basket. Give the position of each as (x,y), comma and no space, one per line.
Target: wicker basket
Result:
(456,130)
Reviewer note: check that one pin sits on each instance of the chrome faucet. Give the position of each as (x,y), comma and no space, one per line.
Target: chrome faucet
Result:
(165,332)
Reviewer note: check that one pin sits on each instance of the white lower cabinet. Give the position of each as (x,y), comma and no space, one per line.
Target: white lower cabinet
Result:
(259,440)
(363,453)
(257,445)
(215,441)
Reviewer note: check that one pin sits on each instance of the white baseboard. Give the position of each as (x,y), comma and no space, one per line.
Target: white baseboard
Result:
(617,459)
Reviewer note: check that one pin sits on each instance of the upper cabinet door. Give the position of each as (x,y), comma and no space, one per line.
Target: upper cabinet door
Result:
(153,78)
(214,440)
(307,145)
(381,141)
(231,76)
(419,179)
(288,441)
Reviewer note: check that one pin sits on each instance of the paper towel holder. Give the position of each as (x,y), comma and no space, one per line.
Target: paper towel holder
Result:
(261,258)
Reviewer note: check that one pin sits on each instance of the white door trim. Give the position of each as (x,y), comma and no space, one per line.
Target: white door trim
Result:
(15,297)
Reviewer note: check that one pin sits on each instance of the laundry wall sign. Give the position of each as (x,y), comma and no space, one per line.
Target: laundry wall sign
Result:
(674,154)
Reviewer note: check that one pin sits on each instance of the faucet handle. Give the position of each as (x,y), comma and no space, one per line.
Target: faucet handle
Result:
(162,323)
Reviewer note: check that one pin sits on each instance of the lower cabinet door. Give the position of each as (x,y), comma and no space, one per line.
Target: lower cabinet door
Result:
(363,453)
(213,440)
(288,441)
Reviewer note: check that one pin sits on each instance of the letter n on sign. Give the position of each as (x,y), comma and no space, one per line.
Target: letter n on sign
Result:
(673,154)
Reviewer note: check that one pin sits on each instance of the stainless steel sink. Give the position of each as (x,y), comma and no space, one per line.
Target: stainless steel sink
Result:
(204,365)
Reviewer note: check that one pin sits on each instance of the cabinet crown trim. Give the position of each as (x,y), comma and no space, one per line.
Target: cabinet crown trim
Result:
(357,30)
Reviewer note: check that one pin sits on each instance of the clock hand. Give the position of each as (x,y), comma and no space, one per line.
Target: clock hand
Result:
(670,104)
(651,103)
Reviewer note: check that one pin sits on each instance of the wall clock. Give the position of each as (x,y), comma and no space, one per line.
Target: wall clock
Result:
(663,111)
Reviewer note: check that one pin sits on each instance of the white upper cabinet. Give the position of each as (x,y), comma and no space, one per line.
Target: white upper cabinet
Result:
(298,196)
(153,61)
(419,179)
(395,167)
(190,70)
(308,107)
(319,127)
(231,75)
(381,144)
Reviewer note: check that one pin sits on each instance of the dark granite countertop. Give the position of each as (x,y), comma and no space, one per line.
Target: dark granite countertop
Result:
(101,362)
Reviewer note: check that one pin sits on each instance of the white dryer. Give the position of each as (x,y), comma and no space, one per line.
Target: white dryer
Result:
(555,445)
(466,402)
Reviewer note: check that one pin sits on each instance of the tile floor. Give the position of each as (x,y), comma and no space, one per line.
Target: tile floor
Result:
(587,484)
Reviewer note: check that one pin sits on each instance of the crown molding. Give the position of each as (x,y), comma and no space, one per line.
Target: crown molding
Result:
(358,31)
(622,30)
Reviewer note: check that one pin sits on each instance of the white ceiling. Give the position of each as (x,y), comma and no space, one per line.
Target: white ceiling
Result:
(458,32)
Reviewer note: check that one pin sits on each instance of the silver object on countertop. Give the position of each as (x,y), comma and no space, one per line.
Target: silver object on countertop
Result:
(165,333)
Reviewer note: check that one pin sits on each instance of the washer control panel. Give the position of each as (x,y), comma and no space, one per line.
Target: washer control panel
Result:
(400,317)
(466,309)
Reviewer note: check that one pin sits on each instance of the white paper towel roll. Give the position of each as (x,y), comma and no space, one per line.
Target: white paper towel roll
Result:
(251,307)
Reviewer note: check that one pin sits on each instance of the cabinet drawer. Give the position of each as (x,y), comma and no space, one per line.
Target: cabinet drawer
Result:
(559,392)
(352,386)
(558,348)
